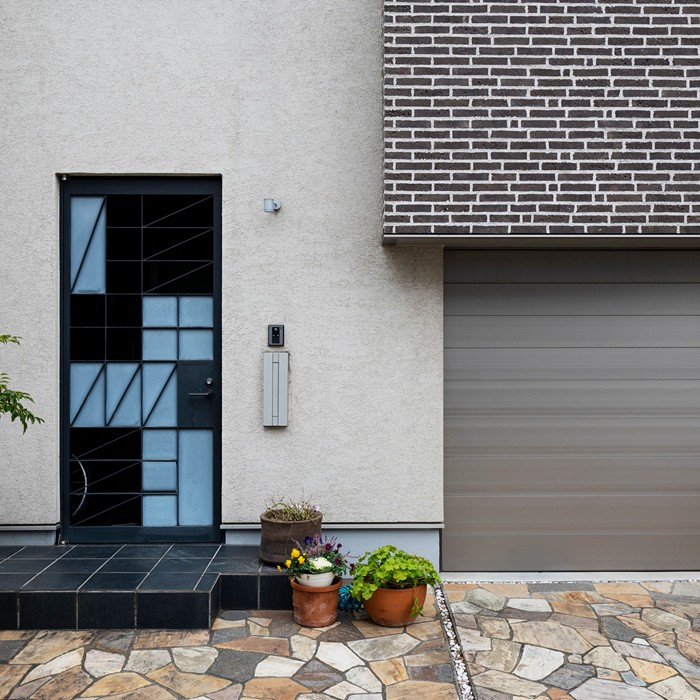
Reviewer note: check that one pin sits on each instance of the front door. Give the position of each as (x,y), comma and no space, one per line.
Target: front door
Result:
(141,359)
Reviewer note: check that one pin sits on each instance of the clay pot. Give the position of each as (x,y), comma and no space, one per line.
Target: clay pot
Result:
(315,606)
(392,607)
(278,537)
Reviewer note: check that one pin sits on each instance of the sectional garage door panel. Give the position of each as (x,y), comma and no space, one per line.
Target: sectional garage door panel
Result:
(572,410)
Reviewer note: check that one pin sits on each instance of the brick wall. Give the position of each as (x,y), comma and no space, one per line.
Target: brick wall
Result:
(536,116)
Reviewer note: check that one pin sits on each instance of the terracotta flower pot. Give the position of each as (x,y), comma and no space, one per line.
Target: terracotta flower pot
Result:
(392,607)
(278,537)
(315,606)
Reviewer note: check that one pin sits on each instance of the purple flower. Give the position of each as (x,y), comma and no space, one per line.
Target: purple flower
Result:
(337,561)
(329,546)
(307,540)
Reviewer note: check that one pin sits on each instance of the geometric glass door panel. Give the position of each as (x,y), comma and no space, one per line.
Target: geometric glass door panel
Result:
(141,359)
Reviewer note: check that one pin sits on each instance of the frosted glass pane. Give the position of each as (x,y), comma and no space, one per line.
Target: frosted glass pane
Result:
(160,311)
(82,375)
(83,213)
(119,374)
(155,375)
(92,414)
(160,345)
(129,411)
(159,511)
(196,311)
(91,274)
(159,476)
(165,410)
(159,444)
(196,345)
(195,480)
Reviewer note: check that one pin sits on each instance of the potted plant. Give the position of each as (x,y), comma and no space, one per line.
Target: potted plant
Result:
(315,568)
(283,523)
(392,584)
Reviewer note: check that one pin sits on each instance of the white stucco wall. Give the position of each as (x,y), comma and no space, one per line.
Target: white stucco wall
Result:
(283,99)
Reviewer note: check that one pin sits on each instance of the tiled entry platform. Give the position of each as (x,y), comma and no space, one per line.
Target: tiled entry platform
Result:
(178,586)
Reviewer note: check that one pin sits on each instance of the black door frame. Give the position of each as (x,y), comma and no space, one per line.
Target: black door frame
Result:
(138,185)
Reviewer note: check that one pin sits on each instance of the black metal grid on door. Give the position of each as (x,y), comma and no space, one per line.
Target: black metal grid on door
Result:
(141,361)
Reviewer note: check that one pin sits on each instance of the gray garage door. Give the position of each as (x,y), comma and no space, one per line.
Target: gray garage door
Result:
(572,410)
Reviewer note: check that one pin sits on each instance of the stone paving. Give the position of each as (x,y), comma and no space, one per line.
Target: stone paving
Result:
(246,655)
(580,641)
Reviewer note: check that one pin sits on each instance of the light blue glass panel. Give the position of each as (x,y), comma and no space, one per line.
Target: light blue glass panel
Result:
(82,375)
(159,444)
(196,345)
(159,476)
(165,411)
(160,345)
(155,375)
(160,311)
(119,374)
(92,414)
(195,478)
(129,411)
(159,511)
(88,267)
(197,311)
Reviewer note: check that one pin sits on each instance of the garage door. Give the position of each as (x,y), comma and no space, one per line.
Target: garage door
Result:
(572,410)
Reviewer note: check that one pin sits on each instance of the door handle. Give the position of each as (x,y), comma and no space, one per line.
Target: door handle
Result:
(206,394)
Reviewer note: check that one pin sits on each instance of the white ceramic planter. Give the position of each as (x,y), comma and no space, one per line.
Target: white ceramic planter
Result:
(316,580)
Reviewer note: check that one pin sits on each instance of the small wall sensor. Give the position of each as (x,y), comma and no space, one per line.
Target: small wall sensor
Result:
(275,335)
(271,205)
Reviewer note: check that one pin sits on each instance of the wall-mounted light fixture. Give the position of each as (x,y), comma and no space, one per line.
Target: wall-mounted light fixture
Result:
(271,205)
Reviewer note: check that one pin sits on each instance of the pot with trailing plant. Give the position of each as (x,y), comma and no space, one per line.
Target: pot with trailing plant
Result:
(392,585)
(315,569)
(284,523)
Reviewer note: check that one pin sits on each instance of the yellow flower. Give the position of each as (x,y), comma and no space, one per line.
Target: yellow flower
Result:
(288,563)
(295,553)
(279,568)
(301,560)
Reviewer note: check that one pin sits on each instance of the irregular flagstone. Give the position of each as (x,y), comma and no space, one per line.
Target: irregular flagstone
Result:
(607,674)
(317,676)
(187,684)
(102,663)
(369,629)
(263,645)
(157,639)
(427,658)
(277,666)
(651,672)
(9,648)
(48,645)
(502,657)
(631,679)
(580,597)
(573,609)
(116,683)
(64,686)
(233,692)
(363,677)
(580,623)
(471,640)
(606,657)
(664,620)
(536,663)
(688,588)
(509,590)
(238,666)
(495,627)
(637,651)
(486,599)
(410,690)
(689,644)
(425,630)
(363,696)
(604,609)
(278,688)
(390,671)
(383,647)
(558,694)
(194,659)
(116,641)
(529,604)
(16,634)
(678,661)
(57,665)
(675,688)
(507,683)
(612,628)
(570,675)
(464,608)
(339,656)
(342,690)
(550,635)
(302,647)
(597,689)
(10,675)
(228,634)
(144,661)
(257,630)
(681,609)
(148,692)
(221,624)
(657,586)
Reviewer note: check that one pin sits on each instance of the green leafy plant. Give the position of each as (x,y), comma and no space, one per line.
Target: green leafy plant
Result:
(389,567)
(317,555)
(288,510)
(11,401)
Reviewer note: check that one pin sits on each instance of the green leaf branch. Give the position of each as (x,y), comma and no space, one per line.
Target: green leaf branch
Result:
(12,401)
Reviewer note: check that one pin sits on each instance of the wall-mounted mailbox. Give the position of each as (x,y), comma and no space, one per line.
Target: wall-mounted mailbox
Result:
(275,388)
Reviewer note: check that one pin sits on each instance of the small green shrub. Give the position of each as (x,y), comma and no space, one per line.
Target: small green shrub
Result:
(389,567)
(11,401)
